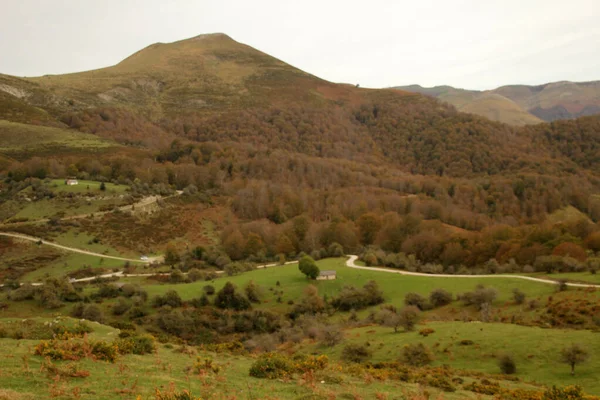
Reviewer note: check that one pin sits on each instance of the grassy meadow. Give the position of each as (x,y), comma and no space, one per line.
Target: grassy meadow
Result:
(87,187)
(394,286)
(168,369)
(536,351)
(16,139)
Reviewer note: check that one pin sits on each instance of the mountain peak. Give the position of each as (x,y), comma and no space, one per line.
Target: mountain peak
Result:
(216,35)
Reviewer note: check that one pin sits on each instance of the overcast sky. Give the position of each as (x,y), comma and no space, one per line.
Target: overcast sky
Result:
(475,44)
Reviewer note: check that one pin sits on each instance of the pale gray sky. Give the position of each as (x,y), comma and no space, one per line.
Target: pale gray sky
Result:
(476,44)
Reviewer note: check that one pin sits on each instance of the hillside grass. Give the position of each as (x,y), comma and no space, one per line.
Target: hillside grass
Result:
(29,140)
(56,207)
(394,286)
(85,241)
(70,262)
(87,187)
(584,277)
(536,351)
(141,375)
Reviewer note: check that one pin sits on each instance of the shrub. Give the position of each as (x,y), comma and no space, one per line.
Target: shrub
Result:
(136,312)
(507,364)
(440,382)
(335,250)
(70,370)
(25,292)
(331,335)
(172,395)
(107,291)
(253,292)
(202,301)
(272,366)
(209,290)
(370,259)
(352,298)
(56,349)
(228,298)
(105,351)
(121,307)
(195,274)
(426,332)
(170,298)
(310,303)
(416,355)
(518,296)
(177,276)
(310,363)
(236,268)
(562,285)
(90,312)
(409,316)
(566,393)
(415,299)
(143,344)
(479,297)
(356,353)
(440,297)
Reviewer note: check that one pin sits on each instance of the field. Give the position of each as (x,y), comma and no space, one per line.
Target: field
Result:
(70,262)
(394,286)
(48,208)
(20,139)
(535,350)
(584,277)
(135,376)
(87,187)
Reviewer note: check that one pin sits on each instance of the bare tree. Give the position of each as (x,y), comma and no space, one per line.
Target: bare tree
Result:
(573,355)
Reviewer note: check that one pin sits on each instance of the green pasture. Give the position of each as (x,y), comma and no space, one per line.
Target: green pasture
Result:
(394,286)
(536,351)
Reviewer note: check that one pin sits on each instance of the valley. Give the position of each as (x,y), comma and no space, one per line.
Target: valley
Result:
(203,220)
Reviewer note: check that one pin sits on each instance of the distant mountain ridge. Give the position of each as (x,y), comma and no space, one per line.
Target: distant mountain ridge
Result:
(211,88)
(522,104)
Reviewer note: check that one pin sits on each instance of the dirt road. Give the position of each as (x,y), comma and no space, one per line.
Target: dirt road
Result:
(352,258)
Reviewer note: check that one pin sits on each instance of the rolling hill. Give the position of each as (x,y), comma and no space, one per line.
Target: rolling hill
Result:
(217,114)
(522,104)
(212,88)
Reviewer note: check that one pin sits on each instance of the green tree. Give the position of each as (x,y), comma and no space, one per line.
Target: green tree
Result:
(102,186)
(308,267)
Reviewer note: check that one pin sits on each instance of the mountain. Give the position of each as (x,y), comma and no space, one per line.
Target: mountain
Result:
(212,88)
(273,161)
(219,115)
(521,104)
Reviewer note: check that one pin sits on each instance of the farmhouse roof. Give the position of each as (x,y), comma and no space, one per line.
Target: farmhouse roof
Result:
(327,273)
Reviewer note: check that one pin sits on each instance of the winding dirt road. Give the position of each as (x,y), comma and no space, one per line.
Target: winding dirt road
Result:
(352,258)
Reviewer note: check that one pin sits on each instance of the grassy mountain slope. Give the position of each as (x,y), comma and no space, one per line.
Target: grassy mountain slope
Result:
(212,88)
(499,108)
(204,73)
(523,105)
(18,138)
